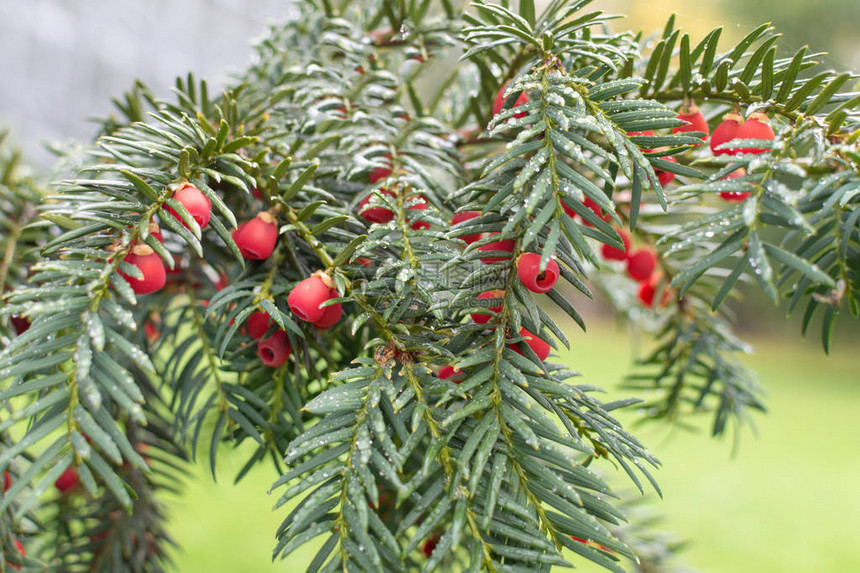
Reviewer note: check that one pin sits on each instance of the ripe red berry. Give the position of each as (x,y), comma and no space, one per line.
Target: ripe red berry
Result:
(377,174)
(665,177)
(501,99)
(756,127)
(614,254)
(695,121)
(67,481)
(152,267)
(430,545)
(568,210)
(420,205)
(648,290)
(646,133)
(331,316)
(7,481)
(596,209)
(373,214)
(641,264)
(735,196)
(725,132)
(539,346)
(257,238)
(506,245)
(480,318)
(450,373)
(465,216)
(528,269)
(258,324)
(275,350)
(195,202)
(307,296)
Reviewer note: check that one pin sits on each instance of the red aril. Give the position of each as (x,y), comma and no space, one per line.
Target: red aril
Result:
(726,131)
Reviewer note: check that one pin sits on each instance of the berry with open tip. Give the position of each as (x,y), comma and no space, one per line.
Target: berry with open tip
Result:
(274,350)
(528,270)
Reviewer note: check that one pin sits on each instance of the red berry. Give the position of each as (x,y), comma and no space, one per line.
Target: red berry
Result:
(7,481)
(756,127)
(430,545)
(528,266)
(595,208)
(195,202)
(641,264)
(258,324)
(331,316)
(256,193)
(570,212)
(465,216)
(725,132)
(646,133)
(257,238)
(735,196)
(275,350)
(614,254)
(363,261)
(307,296)
(152,267)
(485,318)
(501,99)
(648,290)
(19,323)
(377,174)
(222,282)
(539,346)
(67,481)
(451,373)
(506,245)
(665,177)
(372,214)
(695,121)
(421,205)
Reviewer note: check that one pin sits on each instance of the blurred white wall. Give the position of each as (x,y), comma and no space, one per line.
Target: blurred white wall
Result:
(62,60)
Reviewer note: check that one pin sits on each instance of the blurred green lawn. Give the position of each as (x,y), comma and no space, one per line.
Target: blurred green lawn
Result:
(789,501)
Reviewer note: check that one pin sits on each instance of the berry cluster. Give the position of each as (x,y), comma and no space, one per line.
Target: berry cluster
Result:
(537,281)
(732,127)
(256,240)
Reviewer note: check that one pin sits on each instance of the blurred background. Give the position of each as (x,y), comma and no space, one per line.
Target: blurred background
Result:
(787,500)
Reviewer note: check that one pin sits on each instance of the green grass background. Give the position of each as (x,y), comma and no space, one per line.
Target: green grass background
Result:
(787,501)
